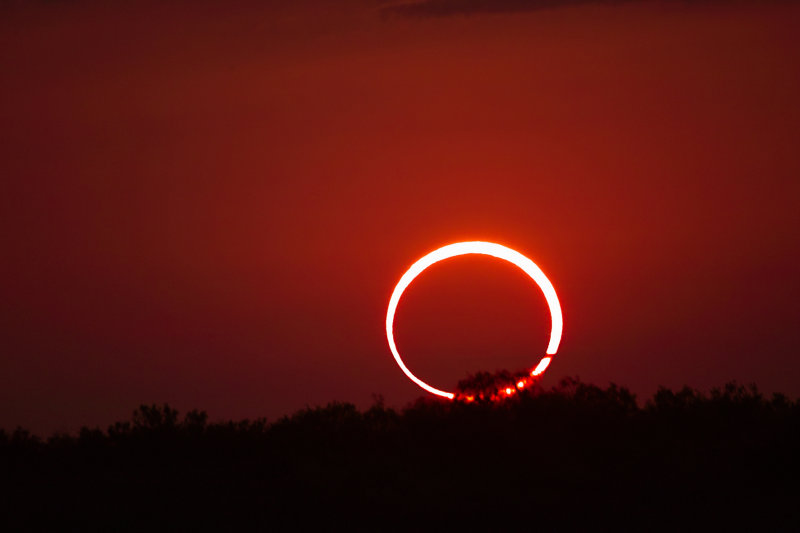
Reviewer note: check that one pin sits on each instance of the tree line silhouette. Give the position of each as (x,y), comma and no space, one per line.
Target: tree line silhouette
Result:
(573,457)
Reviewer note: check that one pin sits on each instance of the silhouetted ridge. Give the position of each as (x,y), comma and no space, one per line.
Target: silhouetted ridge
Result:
(575,457)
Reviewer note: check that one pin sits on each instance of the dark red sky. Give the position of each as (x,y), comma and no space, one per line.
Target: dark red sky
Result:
(209,203)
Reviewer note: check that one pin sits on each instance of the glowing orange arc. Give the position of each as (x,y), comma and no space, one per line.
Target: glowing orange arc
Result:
(485,248)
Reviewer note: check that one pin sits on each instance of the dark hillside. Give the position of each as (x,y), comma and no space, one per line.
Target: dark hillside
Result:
(577,457)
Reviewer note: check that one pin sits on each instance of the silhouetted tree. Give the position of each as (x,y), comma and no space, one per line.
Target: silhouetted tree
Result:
(573,457)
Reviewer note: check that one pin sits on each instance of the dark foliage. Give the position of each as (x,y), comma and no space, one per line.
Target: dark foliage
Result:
(577,457)
(485,385)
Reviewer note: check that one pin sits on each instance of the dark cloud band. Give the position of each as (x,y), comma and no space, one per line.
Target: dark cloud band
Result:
(446,8)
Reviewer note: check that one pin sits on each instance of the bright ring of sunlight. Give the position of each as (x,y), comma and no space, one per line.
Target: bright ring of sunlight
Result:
(485,248)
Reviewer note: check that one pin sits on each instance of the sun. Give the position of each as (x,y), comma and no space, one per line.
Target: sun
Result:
(483,248)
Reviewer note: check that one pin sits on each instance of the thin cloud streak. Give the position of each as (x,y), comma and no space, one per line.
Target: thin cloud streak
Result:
(448,8)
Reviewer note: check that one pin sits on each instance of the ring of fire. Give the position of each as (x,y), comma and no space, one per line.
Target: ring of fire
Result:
(484,248)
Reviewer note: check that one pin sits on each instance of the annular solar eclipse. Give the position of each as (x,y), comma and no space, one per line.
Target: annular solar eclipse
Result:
(483,248)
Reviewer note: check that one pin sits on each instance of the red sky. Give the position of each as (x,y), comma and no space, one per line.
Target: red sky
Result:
(209,203)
